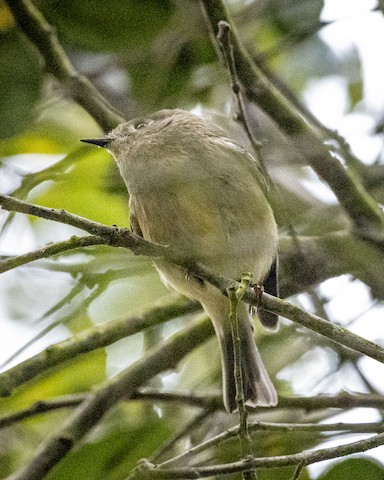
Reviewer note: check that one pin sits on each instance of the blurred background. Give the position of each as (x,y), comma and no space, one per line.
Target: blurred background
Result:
(144,56)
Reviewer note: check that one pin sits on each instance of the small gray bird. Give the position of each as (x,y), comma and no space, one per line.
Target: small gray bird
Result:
(193,188)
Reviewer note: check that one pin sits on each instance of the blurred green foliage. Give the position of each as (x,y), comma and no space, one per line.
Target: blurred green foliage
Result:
(354,467)
(20,84)
(145,55)
(83,24)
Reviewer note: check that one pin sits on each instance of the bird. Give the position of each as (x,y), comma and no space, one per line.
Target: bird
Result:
(197,190)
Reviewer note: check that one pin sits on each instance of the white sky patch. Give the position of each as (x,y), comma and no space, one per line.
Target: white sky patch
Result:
(327,98)
(357,128)
(15,335)
(32,162)
(347,299)
(357,29)
(365,34)
(318,188)
(335,9)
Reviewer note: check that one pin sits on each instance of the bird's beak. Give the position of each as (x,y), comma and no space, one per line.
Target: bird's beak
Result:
(100,142)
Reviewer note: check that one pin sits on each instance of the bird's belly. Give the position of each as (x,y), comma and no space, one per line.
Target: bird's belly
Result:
(220,238)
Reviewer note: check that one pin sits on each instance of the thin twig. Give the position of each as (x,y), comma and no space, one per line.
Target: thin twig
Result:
(212,403)
(343,400)
(113,236)
(224,42)
(235,295)
(42,406)
(346,428)
(193,423)
(298,469)
(362,209)
(237,373)
(50,250)
(303,458)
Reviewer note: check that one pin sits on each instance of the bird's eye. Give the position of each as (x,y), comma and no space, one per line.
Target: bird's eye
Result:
(139,124)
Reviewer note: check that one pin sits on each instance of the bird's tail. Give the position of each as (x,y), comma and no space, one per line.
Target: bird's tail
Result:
(257,386)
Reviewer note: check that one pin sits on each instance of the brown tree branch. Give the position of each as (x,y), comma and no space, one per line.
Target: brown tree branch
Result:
(210,403)
(123,385)
(340,427)
(366,217)
(113,236)
(89,340)
(50,250)
(307,261)
(42,406)
(303,458)
(344,400)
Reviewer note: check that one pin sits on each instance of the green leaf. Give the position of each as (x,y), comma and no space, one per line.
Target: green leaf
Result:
(20,84)
(82,188)
(355,468)
(296,15)
(176,61)
(128,434)
(106,26)
(58,129)
(355,90)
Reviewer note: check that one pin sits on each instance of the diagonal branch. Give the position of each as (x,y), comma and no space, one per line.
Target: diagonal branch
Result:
(250,463)
(195,422)
(123,385)
(268,427)
(124,238)
(50,250)
(366,217)
(113,236)
(91,339)
(42,35)
(42,406)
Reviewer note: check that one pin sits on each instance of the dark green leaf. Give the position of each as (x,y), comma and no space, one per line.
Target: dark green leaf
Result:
(20,84)
(136,433)
(106,26)
(355,468)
